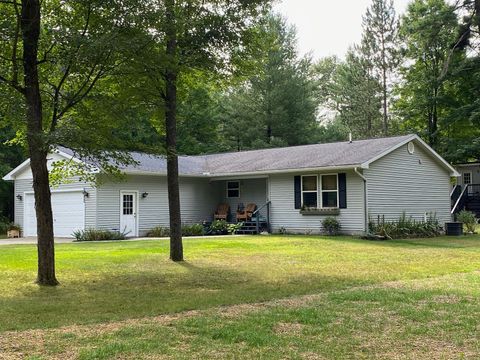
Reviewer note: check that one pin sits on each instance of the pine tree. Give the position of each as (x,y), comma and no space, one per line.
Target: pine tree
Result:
(380,30)
(276,106)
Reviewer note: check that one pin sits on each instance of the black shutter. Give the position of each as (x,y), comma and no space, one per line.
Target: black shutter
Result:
(342,190)
(298,192)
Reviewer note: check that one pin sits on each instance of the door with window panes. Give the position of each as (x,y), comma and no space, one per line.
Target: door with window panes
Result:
(128,213)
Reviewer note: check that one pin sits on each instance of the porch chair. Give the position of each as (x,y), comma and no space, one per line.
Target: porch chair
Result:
(247,213)
(222,212)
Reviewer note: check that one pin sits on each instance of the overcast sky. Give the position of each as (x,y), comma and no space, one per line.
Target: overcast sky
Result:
(327,27)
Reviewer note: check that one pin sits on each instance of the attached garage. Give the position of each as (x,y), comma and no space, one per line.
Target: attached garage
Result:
(68,213)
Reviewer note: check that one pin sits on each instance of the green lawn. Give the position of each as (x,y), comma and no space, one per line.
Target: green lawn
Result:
(408,298)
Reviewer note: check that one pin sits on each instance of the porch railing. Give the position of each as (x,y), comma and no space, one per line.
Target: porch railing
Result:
(256,214)
(470,192)
(473,191)
(455,194)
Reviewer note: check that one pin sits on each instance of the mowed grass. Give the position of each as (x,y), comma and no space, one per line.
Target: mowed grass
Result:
(371,299)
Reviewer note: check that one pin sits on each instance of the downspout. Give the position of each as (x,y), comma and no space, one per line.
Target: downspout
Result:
(365,205)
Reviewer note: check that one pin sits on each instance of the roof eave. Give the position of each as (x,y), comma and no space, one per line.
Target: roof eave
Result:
(285,171)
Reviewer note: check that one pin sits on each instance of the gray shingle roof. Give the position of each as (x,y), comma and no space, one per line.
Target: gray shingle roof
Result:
(314,156)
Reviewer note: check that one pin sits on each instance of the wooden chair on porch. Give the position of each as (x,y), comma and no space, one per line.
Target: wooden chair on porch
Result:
(247,213)
(222,212)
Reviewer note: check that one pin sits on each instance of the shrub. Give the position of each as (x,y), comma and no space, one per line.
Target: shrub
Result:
(4,223)
(219,227)
(13,226)
(193,230)
(159,231)
(98,235)
(187,230)
(233,228)
(405,227)
(469,220)
(331,225)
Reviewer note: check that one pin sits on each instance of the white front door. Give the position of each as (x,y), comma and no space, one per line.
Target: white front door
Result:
(128,213)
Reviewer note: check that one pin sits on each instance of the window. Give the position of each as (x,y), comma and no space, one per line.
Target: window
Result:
(233,189)
(127,204)
(329,191)
(467,178)
(411,148)
(310,191)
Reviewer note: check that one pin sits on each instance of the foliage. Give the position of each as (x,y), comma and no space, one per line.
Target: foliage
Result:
(469,220)
(13,226)
(331,225)
(233,228)
(98,235)
(406,227)
(7,225)
(426,95)
(159,231)
(352,92)
(187,230)
(11,155)
(219,227)
(283,230)
(4,222)
(276,106)
(193,230)
(380,47)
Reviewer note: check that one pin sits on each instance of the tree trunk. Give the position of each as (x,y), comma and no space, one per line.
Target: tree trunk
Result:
(176,247)
(37,148)
(434,128)
(269,133)
(385,102)
(477,13)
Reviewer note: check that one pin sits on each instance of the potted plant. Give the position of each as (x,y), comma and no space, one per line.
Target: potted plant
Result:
(14,231)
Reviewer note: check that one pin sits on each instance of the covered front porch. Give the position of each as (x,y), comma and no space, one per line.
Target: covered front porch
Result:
(243,200)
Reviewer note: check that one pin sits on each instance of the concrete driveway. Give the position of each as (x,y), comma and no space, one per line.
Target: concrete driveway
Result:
(31,241)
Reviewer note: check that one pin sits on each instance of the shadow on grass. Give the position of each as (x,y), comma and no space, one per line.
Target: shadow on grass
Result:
(182,286)
(408,322)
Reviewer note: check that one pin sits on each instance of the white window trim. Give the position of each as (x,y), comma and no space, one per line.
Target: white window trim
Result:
(237,188)
(463,177)
(322,191)
(309,191)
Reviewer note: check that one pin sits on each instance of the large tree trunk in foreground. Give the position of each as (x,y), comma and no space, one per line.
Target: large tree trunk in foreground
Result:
(38,151)
(176,247)
(477,13)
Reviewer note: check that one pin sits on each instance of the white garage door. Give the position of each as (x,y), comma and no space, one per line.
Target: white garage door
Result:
(68,213)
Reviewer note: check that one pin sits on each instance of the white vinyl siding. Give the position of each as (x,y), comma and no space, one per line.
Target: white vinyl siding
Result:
(474,170)
(23,186)
(251,191)
(414,183)
(284,214)
(198,199)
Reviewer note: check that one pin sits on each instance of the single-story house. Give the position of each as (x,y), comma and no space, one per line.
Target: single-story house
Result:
(301,185)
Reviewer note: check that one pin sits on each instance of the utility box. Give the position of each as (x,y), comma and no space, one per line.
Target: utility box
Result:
(454,228)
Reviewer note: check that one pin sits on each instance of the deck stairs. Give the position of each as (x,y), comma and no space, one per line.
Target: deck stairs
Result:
(250,227)
(466,199)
